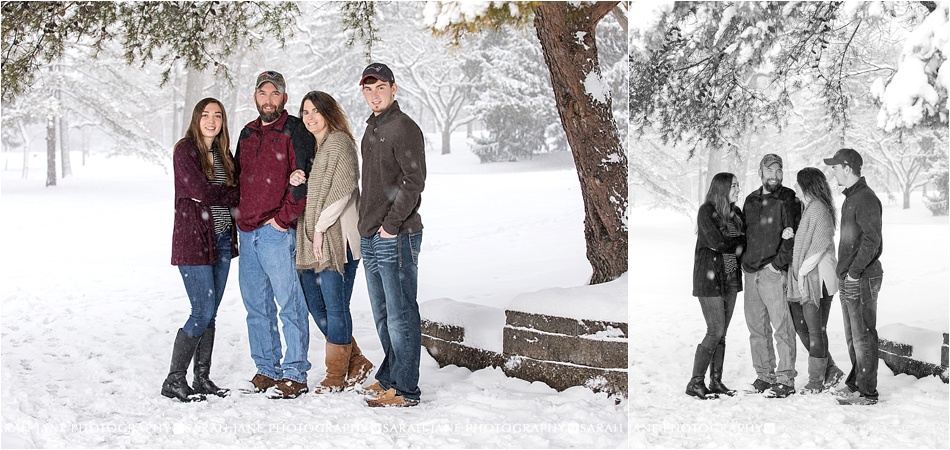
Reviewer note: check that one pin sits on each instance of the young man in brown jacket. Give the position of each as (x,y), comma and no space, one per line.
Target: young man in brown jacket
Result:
(394,173)
(860,274)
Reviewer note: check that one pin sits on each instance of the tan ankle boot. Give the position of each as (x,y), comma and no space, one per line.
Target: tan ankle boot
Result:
(338,357)
(359,366)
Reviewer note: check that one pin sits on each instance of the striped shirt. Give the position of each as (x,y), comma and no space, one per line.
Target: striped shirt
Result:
(729,260)
(220,214)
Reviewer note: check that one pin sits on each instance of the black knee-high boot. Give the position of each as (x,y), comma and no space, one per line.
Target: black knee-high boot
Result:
(715,372)
(202,384)
(175,385)
(696,386)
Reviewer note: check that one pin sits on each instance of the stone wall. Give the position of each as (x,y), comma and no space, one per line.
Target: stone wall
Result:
(444,343)
(899,358)
(561,352)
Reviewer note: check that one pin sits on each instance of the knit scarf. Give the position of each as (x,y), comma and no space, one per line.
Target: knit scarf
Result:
(334,176)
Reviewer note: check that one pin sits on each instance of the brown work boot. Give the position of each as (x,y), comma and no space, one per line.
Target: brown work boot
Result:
(263,382)
(359,366)
(374,390)
(338,358)
(390,399)
(291,389)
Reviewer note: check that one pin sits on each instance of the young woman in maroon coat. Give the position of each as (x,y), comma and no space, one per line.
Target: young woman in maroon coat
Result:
(203,242)
(716,279)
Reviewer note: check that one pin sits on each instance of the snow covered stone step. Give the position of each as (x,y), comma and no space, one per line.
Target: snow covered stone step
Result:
(454,353)
(462,334)
(566,351)
(564,325)
(561,376)
(914,351)
(443,331)
(563,337)
(537,340)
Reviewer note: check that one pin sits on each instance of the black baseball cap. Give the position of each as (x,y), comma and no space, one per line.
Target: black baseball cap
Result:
(379,71)
(847,157)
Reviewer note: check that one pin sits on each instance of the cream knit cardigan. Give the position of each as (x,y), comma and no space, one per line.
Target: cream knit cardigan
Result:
(813,257)
(332,205)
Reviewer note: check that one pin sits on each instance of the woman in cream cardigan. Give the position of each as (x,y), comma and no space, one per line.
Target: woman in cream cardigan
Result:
(328,243)
(812,282)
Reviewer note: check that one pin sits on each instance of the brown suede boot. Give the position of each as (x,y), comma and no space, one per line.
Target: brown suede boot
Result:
(338,357)
(359,366)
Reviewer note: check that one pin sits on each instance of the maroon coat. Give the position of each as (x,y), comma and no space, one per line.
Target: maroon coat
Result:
(193,239)
(266,156)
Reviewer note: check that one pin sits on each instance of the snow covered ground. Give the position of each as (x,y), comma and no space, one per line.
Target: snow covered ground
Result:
(667,324)
(90,306)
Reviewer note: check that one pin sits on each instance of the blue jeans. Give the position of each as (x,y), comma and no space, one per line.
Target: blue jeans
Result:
(205,287)
(391,267)
(266,273)
(859,311)
(766,310)
(811,324)
(328,294)
(718,313)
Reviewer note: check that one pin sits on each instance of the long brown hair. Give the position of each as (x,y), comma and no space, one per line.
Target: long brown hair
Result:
(332,112)
(815,185)
(220,144)
(718,196)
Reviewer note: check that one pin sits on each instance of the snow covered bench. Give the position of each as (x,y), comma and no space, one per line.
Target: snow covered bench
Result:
(913,351)
(563,337)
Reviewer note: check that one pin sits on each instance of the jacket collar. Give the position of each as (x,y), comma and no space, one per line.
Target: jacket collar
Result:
(385,115)
(278,125)
(860,184)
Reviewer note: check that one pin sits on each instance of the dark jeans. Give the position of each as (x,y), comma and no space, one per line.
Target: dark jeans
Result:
(859,311)
(718,313)
(391,267)
(811,324)
(328,294)
(205,287)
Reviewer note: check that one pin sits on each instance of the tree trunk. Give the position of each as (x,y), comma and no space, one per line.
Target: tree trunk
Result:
(446,139)
(26,162)
(85,146)
(64,146)
(700,183)
(567,40)
(51,151)
(193,83)
(714,164)
(26,150)
(907,189)
(63,136)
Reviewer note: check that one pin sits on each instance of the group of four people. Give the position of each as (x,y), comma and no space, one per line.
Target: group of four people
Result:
(290,197)
(780,247)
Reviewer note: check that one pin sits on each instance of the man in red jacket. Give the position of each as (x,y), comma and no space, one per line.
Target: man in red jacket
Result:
(768,211)
(270,148)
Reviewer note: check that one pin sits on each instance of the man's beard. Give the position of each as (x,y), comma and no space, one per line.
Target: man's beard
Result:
(772,187)
(268,118)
